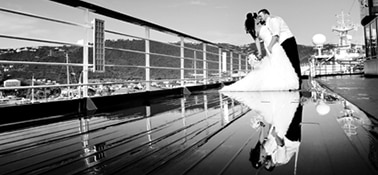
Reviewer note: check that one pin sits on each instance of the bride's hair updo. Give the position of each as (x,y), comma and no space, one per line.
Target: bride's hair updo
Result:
(250,24)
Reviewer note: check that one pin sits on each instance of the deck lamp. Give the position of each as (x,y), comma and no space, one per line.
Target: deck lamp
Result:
(318,40)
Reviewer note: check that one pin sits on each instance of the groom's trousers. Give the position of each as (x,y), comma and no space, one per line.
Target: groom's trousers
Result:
(294,133)
(291,49)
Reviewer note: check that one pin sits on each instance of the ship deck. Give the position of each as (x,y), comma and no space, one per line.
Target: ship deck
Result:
(203,133)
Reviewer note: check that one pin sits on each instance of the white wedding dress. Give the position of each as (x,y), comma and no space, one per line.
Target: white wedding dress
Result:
(273,73)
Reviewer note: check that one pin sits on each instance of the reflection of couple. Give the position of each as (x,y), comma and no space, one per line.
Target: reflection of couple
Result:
(280,68)
(278,119)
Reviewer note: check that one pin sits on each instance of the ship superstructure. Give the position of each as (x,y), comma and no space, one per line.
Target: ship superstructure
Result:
(344,51)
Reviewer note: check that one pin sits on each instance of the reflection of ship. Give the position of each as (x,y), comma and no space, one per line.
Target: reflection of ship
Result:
(348,120)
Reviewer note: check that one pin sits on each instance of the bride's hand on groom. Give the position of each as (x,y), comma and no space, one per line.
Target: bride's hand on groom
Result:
(259,56)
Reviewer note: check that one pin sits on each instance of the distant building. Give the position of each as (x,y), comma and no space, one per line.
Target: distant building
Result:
(12,83)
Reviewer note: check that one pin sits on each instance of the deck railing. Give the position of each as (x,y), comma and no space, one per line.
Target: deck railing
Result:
(328,65)
(139,56)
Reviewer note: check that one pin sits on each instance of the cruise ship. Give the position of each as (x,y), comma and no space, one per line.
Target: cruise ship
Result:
(344,57)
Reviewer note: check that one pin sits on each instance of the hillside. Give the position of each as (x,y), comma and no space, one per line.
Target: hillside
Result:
(118,54)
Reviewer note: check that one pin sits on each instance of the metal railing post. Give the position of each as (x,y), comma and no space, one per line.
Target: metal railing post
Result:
(147,59)
(182,61)
(224,63)
(246,64)
(195,67)
(231,64)
(239,66)
(220,63)
(85,55)
(204,64)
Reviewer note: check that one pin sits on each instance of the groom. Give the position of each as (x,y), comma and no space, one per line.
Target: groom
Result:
(282,34)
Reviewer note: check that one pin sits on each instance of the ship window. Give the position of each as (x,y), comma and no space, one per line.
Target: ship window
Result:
(367,40)
(373,42)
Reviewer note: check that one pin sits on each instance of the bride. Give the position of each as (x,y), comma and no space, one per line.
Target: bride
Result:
(274,72)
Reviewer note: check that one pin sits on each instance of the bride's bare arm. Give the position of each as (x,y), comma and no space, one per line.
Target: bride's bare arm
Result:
(258,42)
(258,46)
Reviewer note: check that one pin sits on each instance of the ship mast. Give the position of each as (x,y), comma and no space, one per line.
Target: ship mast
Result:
(343,27)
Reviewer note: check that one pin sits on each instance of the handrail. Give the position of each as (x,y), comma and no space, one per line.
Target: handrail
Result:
(44,18)
(126,18)
(38,40)
(41,63)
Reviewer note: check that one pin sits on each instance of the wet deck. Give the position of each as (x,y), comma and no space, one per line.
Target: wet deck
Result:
(204,133)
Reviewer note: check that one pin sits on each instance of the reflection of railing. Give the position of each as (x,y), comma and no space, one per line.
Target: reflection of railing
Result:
(128,136)
(188,61)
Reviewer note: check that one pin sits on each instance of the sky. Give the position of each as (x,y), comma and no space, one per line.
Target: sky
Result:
(217,21)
